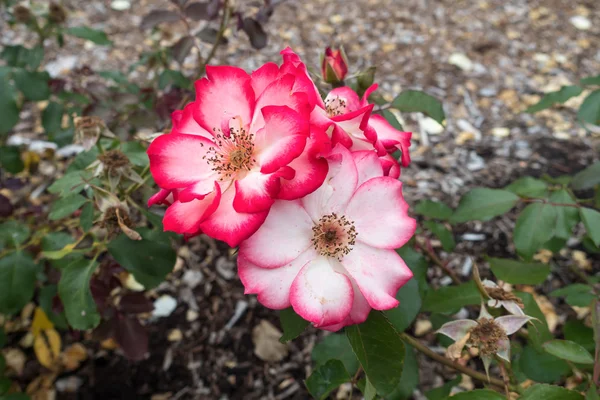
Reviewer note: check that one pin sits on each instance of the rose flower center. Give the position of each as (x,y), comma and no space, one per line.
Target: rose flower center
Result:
(232,153)
(485,336)
(335,107)
(334,236)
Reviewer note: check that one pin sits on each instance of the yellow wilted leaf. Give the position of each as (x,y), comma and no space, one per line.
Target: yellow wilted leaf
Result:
(73,356)
(47,348)
(40,322)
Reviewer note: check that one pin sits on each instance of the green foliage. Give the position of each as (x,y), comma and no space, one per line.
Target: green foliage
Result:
(433,209)
(450,299)
(90,34)
(566,217)
(66,206)
(9,111)
(326,378)
(417,101)
(410,377)
(33,84)
(548,392)
(539,333)
(443,391)
(10,159)
(478,394)
(175,78)
(391,118)
(410,304)
(442,233)
(52,117)
(534,227)
(529,187)
(17,281)
(380,351)
(22,57)
(569,351)
(587,178)
(149,259)
(519,272)
(483,204)
(559,97)
(335,346)
(578,332)
(589,112)
(293,324)
(74,291)
(13,233)
(577,294)
(541,366)
(591,221)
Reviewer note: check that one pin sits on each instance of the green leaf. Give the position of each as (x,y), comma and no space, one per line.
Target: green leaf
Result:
(292,324)
(10,159)
(519,272)
(33,84)
(2,341)
(16,396)
(534,227)
(86,219)
(410,377)
(547,392)
(569,351)
(17,281)
(577,294)
(541,366)
(13,233)
(53,246)
(9,111)
(529,187)
(442,233)
(539,333)
(478,394)
(90,34)
(70,182)
(484,204)
(45,300)
(560,96)
(410,304)
(136,153)
(417,264)
(392,120)
(379,350)
(591,80)
(149,260)
(589,111)
(335,346)
(74,291)
(83,160)
(449,299)
(175,78)
(591,221)
(588,178)
(21,57)
(578,332)
(566,217)
(433,209)
(52,117)
(116,76)
(443,391)
(66,206)
(326,378)
(370,392)
(417,101)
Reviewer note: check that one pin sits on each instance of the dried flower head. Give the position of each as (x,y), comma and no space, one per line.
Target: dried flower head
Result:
(503,298)
(115,215)
(22,14)
(88,130)
(116,165)
(57,13)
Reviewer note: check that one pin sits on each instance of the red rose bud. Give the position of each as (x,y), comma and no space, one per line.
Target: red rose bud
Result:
(334,66)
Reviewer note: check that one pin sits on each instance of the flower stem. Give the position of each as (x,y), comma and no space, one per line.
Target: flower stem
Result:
(436,260)
(449,363)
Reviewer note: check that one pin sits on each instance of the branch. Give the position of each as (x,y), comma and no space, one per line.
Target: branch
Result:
(218,38)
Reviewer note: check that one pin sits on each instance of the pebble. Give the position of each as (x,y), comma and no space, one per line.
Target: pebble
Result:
(164,306)
(580,22)
(431,126)
(175,335)
(488,92)
(474,237)
(501,132)
(120,5)
(62,65)
(461,61)
(69,384)
(522,152)
(192,278)
(475,162)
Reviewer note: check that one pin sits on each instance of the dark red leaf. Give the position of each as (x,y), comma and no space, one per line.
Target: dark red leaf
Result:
(197,11)
(212,9)
(209,35)
(156,17)
(132,337)
(182,48)
(255,32)
(6,208)
(135,303)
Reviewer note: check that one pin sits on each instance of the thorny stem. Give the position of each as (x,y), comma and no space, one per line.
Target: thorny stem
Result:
(506,375)
(449,363)
(436,260)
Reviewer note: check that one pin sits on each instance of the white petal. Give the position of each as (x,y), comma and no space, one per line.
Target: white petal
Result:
(457,329)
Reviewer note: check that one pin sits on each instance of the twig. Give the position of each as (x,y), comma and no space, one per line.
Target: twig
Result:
(436,260)
(449,363)
(218,37)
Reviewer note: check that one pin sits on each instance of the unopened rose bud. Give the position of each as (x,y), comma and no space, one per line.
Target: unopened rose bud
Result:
(22,14)
(57,13)
(334,66)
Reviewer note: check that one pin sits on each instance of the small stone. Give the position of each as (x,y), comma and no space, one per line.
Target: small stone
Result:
(475,162)
(422,326)
(431,126)
(580,22)
(501,132)
(164,306)
(192,278)
(267,346)
(120,5)
(191,315)
(336,19)
(464,137)
(461,61)
(70,384)
(132,284)
(175,335)
(581,260)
